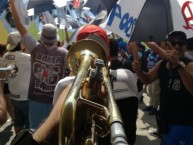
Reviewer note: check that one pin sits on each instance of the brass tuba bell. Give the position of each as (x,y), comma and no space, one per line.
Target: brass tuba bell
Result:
(89,110)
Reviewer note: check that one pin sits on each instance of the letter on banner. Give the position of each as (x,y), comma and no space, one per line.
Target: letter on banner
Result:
(123,17)
(188,19)
(182,16)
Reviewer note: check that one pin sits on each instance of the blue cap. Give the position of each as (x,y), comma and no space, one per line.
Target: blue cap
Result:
(123,46)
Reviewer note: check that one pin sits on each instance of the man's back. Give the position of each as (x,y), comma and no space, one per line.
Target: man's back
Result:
(48,67)
(19,81)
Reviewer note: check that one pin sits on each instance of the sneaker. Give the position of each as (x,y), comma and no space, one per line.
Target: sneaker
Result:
(153,111)
(148,108)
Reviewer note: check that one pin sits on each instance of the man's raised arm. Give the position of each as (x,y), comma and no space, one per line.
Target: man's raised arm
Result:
(20,27)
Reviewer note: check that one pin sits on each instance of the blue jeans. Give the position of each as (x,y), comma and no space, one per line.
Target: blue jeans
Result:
(21,112)
(179,135)
(38,113)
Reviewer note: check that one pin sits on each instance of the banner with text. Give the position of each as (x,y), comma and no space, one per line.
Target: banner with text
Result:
(182,14)
(123,17)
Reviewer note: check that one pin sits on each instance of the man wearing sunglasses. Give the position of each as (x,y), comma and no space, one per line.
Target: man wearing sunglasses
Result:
(176,91)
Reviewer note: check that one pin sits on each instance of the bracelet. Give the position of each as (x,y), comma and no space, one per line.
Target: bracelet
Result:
(24,138)
(180,65)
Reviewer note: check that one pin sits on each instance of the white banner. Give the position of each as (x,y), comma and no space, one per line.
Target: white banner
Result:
(123,17)
(182,14)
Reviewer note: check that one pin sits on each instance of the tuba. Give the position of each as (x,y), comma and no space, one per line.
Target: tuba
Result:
(89,111)
(10,71)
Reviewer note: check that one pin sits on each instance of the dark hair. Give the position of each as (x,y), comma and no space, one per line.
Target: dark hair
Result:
(68,47)
(59,43)
(114,47)
(17,48)
(180,34)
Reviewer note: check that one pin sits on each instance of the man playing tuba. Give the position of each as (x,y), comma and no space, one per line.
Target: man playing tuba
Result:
(80,98)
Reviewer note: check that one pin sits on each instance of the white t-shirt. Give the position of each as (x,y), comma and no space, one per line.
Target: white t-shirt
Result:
(126,76)
(123,75)
(18,84)
(61,85)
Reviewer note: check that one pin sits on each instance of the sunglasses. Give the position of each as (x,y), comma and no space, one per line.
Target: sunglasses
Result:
(180,43)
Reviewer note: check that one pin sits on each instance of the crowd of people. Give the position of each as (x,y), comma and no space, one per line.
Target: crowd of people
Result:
(37,85)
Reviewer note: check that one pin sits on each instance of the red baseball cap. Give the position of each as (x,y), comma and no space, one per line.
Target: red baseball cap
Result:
(90,29)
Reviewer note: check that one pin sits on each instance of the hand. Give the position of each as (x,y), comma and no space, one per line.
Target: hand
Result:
(136,65)
(123,54)
(151,45)
(135,49)
(172,55)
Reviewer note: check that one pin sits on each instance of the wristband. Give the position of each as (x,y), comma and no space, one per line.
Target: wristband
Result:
(180,65)
(24,138)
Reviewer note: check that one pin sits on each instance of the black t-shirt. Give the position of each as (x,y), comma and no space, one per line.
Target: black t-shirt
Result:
(176,103)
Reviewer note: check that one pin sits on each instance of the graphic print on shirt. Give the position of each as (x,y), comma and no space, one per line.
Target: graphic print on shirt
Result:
(11,61)
(174,84)
(152,59)
(46,71)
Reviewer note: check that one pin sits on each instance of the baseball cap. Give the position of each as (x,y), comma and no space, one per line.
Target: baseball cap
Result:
(96,33)
(48,33)
(92,29)
(174,34)
(14,38)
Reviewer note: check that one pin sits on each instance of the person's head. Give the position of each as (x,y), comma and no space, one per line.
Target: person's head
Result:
(178,40)
(129,48)
(13,41)
(96,33)
(114,47)
(48,35)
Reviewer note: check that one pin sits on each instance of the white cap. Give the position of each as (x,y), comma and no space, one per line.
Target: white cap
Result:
(14,38)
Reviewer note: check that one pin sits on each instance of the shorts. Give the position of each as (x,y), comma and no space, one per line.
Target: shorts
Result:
(38,112)
(21,112)
(179,135)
